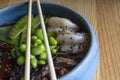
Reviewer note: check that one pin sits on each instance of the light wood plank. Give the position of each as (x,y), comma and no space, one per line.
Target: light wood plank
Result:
(108,33)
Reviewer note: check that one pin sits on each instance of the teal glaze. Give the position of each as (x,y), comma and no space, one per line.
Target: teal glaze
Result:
(86,69)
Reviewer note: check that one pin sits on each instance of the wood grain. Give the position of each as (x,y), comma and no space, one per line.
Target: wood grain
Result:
(108,36)
(104,16)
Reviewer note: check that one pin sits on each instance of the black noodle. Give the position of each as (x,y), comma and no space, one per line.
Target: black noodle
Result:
(42,73)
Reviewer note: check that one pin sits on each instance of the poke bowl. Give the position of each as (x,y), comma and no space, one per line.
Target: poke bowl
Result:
(81,64)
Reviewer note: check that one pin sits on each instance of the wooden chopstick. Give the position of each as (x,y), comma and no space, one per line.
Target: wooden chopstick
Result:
(28,50)
(49,56)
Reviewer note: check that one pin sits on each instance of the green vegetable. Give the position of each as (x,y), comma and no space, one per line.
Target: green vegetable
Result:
(34,62)
(35,22)
(39,34)
(16,35)
(43,56)
(33,38)
(4,32)
(23,47)
(34,45)
(32,56)
(52,41)
(18,28)
(20,60)
(23,37)
(42,46)
(53,51)
(52,47)
(37,50)
(41,62)
(38,41)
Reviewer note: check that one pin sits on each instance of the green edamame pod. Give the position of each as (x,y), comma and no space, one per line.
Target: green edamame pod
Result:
(43,56)
(52,47)
(32,56)
(20,60)
(34,62)
(38,41)
(4,33)
(34,45)
(53,51)
(41,62)
(42,47)
(18,28)
(37,50)
(35,22)
(39,34)
(33,38)
(23,36)
(52,41)
(23,47)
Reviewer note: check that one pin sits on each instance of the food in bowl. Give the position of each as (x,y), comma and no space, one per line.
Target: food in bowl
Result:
(86,67)
(68,43)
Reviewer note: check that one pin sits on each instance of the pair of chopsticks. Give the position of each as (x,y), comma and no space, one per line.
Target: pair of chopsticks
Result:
(28,51)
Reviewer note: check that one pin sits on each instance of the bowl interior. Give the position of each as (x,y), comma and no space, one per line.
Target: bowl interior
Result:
(16,12)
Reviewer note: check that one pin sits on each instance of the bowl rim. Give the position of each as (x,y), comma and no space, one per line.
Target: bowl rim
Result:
(93,38)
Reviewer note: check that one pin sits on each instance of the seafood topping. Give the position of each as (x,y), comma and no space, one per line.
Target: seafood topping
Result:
(62,25)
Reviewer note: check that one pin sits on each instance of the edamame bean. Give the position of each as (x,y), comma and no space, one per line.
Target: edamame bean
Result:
(53,51)
(34,62)
(37,50)
(20,60)
(38,41)
(43,56)
(41,62)
(32,56)
(22,47)
(52,41)
(39,34)
(34,45)
(33,38)
(42,46)
(52,47)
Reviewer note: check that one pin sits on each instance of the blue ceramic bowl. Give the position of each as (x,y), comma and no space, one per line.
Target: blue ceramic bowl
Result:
(85,70)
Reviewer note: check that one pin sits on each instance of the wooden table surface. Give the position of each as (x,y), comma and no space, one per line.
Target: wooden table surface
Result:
(104,16)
